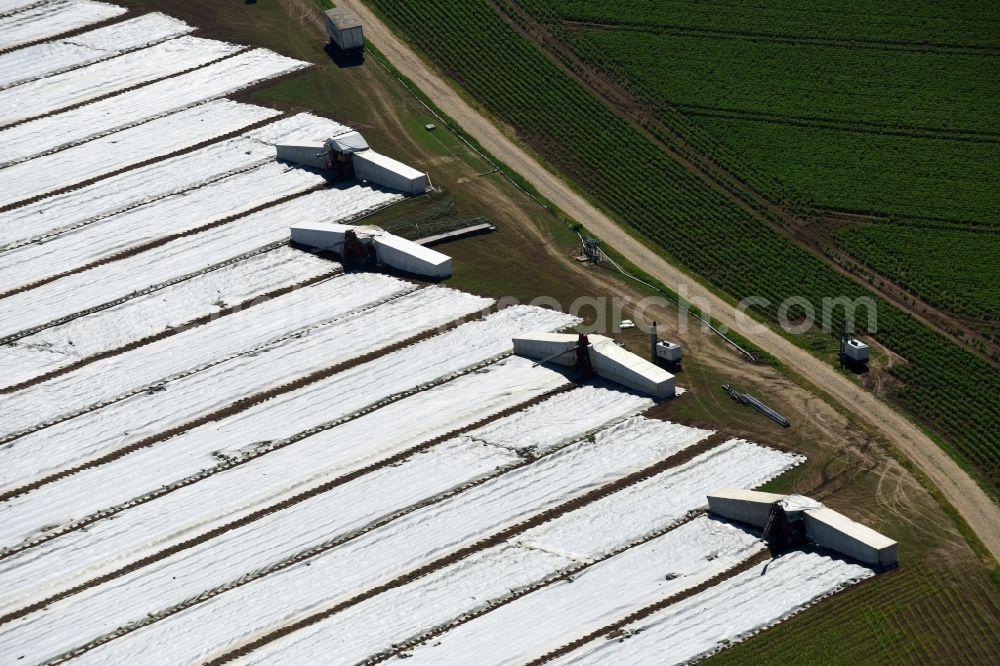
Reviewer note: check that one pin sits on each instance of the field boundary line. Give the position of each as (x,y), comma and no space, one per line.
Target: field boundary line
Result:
(135,294)
(282,505)
(681,596)
(66,34)
(59,231)
(18,10)
(851,126)
(109,54)
(156,116)
(567,573)
(943,48)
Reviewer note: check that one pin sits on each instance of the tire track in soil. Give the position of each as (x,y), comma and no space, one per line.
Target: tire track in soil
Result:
(235,407)
(495,539)
(153,244)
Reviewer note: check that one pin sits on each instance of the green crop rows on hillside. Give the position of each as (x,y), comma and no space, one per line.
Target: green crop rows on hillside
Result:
(899,122)
(950,390)
(907,127)
(865,173)
(923,89)
(943,266)
(954,22)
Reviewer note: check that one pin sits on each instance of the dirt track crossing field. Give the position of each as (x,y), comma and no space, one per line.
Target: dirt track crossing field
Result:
(217,445)
(975,507)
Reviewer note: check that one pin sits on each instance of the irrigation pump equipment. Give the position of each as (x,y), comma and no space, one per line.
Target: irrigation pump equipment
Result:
(591,248)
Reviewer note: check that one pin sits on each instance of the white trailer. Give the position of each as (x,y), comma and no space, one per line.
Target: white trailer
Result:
(746,506)
(827,528)
(823,527)
(407,256)
(305,152)
(390,250)
(383,170)
(607,359)
(344,29)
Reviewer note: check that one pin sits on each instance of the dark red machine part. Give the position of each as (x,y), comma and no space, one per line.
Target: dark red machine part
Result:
(355,251)
(583,364)
(783,531)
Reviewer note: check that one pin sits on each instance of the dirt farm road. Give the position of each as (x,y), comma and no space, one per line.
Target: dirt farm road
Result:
(978,510)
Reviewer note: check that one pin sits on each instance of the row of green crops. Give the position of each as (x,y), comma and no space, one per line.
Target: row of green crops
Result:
(953,22)
(911,89)
(864,173)
(843,125)
(952,391)
(950,268)
(901,133)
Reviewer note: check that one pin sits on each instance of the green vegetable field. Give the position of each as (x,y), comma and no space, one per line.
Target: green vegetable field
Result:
(881,109)
(951,391)
(944,266)
(953,22)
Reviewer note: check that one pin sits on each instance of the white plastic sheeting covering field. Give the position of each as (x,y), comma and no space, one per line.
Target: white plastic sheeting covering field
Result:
(33,62)
(203,295)
(728,612)
(301,125)
(661,500)
(322,519)
(52,19)
(340,573)
(144,471)
(181,257)
(530,626)
(109,154)
(361,387)
(62,130)
(193,350)
(49,94)
(189,492)
(170,216)
(12,6)
(607,524)
(174,175)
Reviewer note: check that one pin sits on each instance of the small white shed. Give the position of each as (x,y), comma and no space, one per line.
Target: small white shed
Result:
(344,29)
(856,350)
